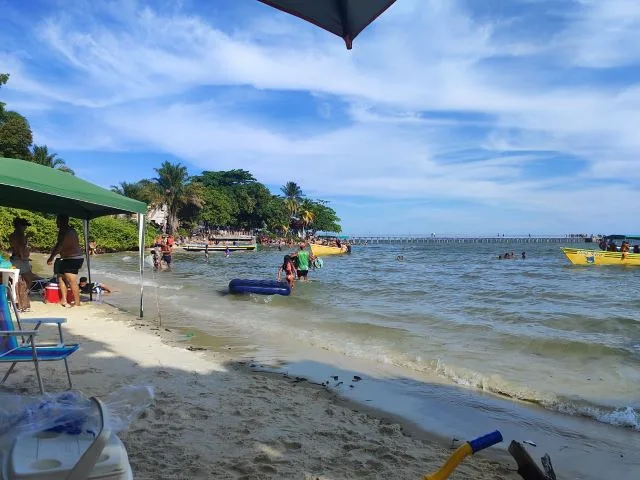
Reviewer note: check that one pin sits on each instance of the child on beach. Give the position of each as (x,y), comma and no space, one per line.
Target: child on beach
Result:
(96,287)
(289,269)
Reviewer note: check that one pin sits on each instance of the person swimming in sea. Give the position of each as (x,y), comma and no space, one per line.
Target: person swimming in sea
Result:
(289,270)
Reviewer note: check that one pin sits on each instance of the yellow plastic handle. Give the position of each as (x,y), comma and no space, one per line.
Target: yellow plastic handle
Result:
(455,459)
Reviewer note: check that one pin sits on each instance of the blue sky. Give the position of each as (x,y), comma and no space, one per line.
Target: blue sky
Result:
(448,116)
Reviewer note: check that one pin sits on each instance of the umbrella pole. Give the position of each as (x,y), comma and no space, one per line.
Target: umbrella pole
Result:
(85,228)
(141,250)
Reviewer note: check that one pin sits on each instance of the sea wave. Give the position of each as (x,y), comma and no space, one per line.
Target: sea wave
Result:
(134,280)
(627,416)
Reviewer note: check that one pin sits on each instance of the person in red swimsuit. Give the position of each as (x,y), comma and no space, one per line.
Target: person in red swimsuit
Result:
(289,270)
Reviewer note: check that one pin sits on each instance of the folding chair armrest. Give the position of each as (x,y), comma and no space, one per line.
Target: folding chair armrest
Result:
(18,333)
(35,321)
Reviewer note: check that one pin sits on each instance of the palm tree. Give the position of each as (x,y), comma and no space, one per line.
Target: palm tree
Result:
(41,156)
(292,191)
(306,214)
(173,186)
(292,198)
(144,191)
(292,207)
(126,189)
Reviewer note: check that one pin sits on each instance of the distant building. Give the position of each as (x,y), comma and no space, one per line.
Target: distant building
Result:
(158,215)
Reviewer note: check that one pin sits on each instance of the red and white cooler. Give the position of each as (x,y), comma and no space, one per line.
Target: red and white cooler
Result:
(51,293)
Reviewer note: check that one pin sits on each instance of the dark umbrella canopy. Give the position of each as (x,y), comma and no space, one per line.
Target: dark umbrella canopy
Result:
(345,18)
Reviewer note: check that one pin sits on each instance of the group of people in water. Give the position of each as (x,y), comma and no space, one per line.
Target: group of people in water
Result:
(161,252)
(296,265)
(512,256)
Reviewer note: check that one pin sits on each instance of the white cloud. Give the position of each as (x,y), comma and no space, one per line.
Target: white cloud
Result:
(134,83)
(604,34)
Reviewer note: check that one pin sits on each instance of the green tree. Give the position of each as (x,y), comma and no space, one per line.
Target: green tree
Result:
(143,190)
(292,191)
(175,191)
(253,205)
(15,136)
(218,208)
(42,156)
(225,179)
(4,78)
(325,218)
(275,215)
(306,214)
(292,198)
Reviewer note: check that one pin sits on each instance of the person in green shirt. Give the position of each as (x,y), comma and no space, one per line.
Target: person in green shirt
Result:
(303,259)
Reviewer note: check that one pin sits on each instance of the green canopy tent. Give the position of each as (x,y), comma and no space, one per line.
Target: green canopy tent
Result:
(42,189)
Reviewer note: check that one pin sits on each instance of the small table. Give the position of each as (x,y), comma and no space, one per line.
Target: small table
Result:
(10,274)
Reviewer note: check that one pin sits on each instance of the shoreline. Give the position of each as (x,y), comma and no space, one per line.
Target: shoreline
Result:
(579,447)
(215,416)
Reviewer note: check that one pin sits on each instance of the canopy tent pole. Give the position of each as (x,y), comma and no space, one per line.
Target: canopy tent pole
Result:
(85,227)
(141,249)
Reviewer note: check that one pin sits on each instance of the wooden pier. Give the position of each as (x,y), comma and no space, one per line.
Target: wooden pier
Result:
(435,239)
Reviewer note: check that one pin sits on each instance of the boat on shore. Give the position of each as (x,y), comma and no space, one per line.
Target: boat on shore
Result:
(324,250)
(221,244)
(606,255)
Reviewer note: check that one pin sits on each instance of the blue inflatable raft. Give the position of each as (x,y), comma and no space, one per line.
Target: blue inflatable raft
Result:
(260,287)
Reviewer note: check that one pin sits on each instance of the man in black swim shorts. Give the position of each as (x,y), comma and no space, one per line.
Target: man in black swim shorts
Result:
(70,262)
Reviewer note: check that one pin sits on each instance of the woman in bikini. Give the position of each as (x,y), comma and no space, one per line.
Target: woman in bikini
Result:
(289,269)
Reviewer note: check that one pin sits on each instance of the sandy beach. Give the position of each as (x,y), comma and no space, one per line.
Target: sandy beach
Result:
(214,417)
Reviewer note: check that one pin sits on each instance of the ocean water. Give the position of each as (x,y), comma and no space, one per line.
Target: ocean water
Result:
(563,338)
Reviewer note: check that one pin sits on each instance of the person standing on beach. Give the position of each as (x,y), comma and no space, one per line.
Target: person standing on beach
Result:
(20,250)
(70,261)
(206,250)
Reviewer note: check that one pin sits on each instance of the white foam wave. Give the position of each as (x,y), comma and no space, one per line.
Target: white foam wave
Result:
(135,280)
(626,417)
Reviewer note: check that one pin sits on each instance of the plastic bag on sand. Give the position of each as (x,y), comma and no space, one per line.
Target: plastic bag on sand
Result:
(70,412)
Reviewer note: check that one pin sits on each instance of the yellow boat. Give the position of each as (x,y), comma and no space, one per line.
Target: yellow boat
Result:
(323,250)
(579,256)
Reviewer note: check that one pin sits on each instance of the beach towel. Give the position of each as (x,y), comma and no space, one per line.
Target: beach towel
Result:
(22,292)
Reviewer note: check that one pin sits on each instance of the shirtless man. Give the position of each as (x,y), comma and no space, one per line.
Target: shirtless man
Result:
(20,251)
(70,262)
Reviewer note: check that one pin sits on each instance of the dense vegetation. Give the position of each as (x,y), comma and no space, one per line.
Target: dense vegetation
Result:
(110,234)
(231,199)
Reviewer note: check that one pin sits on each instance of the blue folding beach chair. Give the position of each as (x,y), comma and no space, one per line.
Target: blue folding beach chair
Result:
(19,346)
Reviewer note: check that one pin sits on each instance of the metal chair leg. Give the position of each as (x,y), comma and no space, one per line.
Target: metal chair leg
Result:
(35,362)
(4,379)
(66,366)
